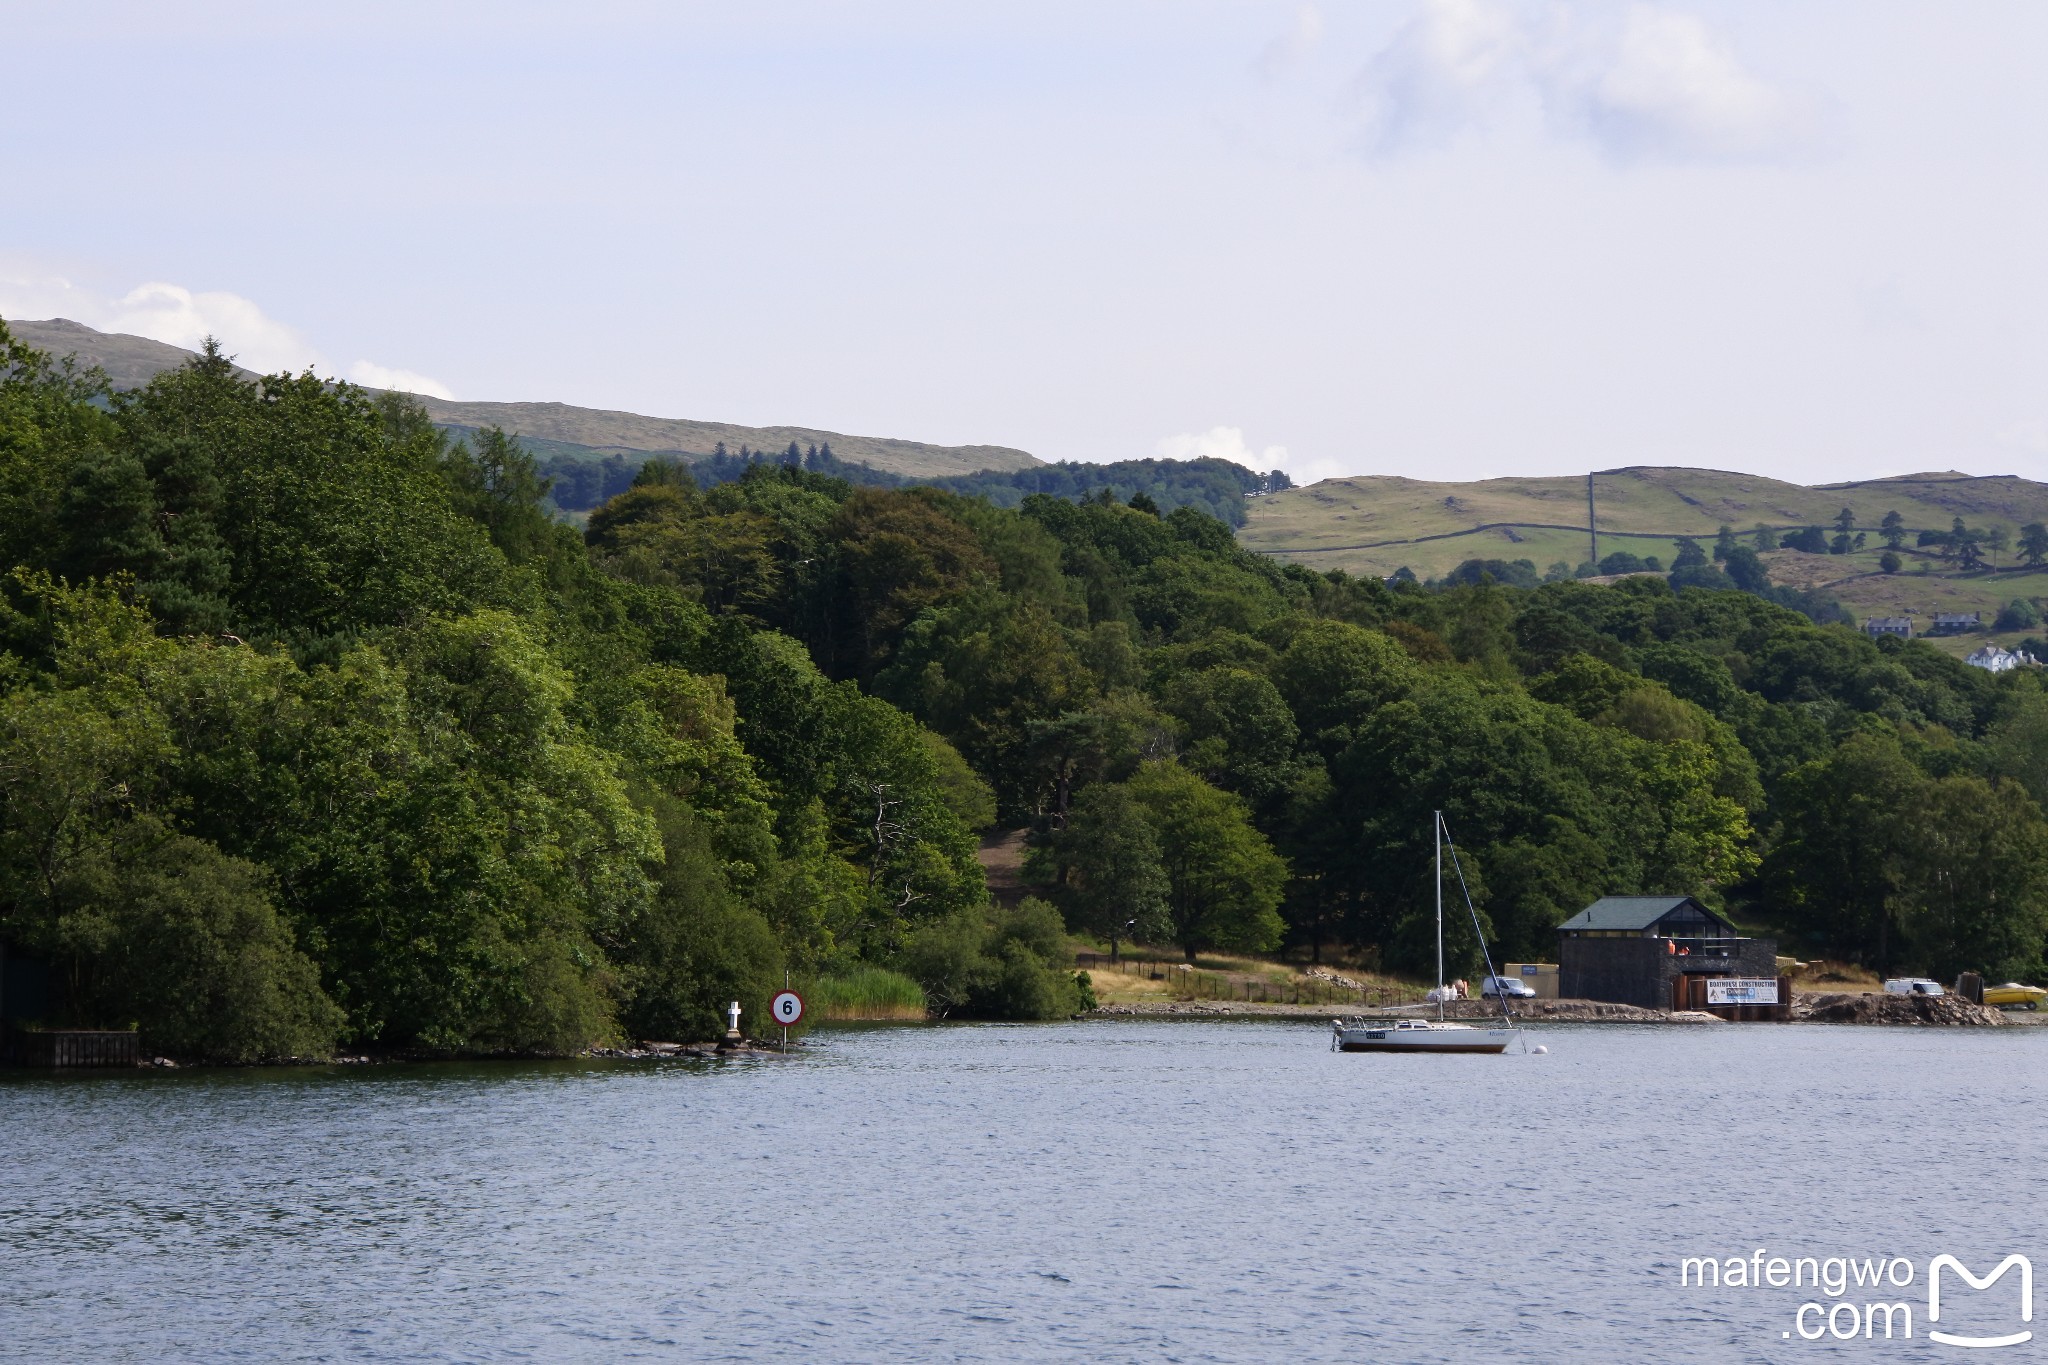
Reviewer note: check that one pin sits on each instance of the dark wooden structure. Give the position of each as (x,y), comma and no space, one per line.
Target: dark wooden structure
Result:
(1648,950)
(74,1047)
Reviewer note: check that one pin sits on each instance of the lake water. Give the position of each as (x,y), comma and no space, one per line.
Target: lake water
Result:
(1104,1191)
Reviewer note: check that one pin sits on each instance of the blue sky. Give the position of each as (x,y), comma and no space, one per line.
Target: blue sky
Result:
(1449,239)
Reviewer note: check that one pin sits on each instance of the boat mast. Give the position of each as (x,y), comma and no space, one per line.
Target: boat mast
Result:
(1437,834)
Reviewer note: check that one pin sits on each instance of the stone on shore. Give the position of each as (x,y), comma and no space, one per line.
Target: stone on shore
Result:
(1874,1008)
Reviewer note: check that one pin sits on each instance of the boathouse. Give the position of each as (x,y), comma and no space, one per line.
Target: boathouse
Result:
(1655,951)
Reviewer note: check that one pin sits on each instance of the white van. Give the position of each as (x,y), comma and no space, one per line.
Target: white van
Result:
(1913,985)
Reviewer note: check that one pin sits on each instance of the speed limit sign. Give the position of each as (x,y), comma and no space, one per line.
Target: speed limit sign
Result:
(787,1008)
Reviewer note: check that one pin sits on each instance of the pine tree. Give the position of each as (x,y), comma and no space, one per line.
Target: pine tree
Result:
(1893,528)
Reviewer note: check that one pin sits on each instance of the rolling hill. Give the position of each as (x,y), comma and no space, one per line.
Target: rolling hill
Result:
(1377,524)
(559,429)
(1372,524)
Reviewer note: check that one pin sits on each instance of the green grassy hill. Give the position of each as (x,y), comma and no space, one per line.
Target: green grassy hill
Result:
(1377,524)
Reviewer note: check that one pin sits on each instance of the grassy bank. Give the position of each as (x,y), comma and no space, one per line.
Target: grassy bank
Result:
(865,993)
(1147,976)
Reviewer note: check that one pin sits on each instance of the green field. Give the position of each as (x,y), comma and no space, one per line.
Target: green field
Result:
(1375,524)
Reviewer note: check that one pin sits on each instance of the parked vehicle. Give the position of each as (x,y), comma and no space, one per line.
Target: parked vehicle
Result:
(2012,995)
(1913,985)
(1511,987)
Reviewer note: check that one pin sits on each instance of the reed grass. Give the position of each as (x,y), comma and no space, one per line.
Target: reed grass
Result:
(866,993)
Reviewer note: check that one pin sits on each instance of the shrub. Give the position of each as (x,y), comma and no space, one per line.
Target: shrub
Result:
(1519,573)
(1013,966)
(1621,561)
(2018,614)
(199,956)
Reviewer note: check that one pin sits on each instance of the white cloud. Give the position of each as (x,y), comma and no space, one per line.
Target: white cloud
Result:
(1644,84)
(375,376)
(1439,72)
(1228,443)
(169,312)
(185,317)
(165,312)
(1669,88)
(1291,48)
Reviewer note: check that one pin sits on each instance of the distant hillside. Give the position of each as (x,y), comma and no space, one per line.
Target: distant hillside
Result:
(129,361)
(1377,524)
(557,429)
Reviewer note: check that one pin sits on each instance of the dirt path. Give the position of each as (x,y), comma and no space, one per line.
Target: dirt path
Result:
(1001,856)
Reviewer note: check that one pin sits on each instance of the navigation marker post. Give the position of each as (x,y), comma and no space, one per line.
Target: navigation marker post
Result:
(788,1009)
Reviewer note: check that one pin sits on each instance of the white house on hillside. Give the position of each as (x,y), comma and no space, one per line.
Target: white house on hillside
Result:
(2000,660)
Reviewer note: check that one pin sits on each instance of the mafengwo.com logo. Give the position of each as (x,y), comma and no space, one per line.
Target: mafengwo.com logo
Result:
(1876,1298)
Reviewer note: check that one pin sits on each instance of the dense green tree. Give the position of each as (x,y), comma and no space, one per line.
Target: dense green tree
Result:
(1108,863)
(1332,675)
(1223,879)
(1622,561)
(2033,543)
(1836,870)
(982,672)
(1974,879)
(899,553)
(1238,732)
(1893,528)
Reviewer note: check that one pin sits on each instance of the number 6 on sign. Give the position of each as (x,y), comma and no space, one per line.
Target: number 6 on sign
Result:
(787,1008)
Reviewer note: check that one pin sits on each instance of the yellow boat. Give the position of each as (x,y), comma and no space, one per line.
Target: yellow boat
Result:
(2013,993)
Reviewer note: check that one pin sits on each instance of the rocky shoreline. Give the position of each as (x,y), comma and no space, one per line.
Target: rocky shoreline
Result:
(1842,1008)
(1464,1011)
(751,1047)
(1873,1008)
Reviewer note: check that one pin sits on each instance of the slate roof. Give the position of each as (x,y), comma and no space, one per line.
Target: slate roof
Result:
(1632,912)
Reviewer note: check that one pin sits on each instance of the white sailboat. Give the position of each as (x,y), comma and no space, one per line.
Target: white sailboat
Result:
(1428,1035)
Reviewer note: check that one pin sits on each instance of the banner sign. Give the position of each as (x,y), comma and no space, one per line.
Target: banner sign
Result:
(1742,990)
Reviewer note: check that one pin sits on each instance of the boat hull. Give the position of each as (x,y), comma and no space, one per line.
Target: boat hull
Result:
(1419,1040)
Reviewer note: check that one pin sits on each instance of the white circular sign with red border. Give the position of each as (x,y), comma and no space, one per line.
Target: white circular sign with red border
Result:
(787,1008)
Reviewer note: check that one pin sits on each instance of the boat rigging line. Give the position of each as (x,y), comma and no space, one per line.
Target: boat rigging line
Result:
(1444,828)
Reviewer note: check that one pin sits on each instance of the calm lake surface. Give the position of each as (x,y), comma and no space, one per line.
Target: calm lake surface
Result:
(1111,1191)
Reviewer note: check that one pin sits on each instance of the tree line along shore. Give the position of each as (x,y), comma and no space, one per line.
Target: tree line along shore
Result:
(319,732)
